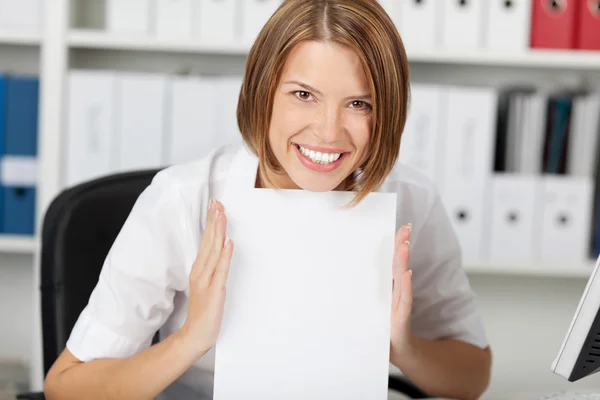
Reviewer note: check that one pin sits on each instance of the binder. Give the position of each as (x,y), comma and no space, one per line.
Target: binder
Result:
(19,177)
(174,19)
(128,17)
(588,26)
(468,165)
(553,24)
(255,14)
(509,24)
(21,139)
(193,122)
(140,114)
(463,24)
(514,206)
(420,24)
(468,205)
(216,20)
(566,204)
(23,15)
(531,156)
(557,133)
(91,125)
(422,140)
(3,104)
(470,134)
(584,132)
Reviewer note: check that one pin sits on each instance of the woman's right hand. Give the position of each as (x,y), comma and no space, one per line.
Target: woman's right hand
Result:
(208,282)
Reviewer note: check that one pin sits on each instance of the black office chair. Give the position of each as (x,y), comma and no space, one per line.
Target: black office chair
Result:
(78,231)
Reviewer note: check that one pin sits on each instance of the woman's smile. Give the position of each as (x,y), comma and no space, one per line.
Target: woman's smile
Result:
(318,158)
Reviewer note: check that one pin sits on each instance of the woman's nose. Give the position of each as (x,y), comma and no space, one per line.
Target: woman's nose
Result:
(330,126)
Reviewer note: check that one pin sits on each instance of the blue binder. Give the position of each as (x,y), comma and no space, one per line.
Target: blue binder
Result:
(2,137)
(21,138)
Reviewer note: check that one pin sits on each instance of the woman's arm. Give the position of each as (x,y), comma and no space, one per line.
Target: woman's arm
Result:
(147,373)
(142,376)
(446,368)
(437,337)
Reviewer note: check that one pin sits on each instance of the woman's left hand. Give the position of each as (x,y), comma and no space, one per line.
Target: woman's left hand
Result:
(401,294)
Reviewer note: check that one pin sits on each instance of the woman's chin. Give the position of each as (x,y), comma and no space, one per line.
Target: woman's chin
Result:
(317,185)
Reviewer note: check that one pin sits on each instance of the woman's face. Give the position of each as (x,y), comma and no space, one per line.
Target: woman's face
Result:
(321,121)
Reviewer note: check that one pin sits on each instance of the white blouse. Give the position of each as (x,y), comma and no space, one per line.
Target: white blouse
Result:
(143,286)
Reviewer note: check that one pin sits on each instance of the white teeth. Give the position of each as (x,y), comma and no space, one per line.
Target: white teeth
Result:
(318,157)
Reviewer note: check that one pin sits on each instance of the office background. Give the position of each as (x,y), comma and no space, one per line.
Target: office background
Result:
(504,119)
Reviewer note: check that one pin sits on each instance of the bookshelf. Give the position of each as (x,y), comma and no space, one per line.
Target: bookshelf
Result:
(577,271)
(544,59)
(19,38)
(10,244)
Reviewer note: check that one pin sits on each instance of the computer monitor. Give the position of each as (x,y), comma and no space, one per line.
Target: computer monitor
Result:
(579,355)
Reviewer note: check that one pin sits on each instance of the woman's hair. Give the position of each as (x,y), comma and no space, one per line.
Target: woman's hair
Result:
(361,25)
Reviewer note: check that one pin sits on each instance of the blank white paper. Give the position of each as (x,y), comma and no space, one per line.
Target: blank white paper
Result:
(308,302)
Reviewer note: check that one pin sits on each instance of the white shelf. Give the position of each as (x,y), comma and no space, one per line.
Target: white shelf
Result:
(17,244)
(558,271)
(87,39)
(19,38)
(534,58)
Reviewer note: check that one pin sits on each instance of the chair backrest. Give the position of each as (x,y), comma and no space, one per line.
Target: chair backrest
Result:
(79,228)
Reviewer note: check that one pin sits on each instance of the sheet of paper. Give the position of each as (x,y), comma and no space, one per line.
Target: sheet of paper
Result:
(308,297)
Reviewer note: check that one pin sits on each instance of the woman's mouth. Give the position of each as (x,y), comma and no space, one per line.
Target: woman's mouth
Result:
(319,160)
(319,157)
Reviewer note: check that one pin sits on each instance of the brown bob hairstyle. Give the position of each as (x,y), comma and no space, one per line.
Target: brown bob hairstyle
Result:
(364,27)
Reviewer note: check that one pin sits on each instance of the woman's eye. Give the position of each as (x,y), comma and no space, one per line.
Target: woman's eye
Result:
(303,95)
(358,104)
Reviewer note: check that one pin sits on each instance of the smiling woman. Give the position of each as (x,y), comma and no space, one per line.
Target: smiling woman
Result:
(327,82)
(322,107)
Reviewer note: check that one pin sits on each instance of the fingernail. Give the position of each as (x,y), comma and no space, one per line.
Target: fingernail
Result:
(407,242)
(410,272)
(226,240)
(409,227)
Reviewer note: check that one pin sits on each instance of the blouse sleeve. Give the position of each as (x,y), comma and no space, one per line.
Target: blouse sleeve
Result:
(143,270)
(444,305)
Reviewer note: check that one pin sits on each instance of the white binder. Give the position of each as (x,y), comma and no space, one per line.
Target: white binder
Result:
(216,20)
(422,144)
(468,209)
(468,165)
(470,134)
(140,103)
(174,19)
(90,125)
(255,14)
(509,24)
(565,231)
(463,24)
(129,17)
(420,24)
(192,129)
(514,216)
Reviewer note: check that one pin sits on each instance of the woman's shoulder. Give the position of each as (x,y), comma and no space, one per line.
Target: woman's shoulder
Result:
(208,169)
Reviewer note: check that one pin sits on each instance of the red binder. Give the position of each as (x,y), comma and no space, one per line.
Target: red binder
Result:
(588,25)
(553,24)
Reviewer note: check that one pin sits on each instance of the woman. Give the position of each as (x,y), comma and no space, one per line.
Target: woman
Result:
(322,107)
